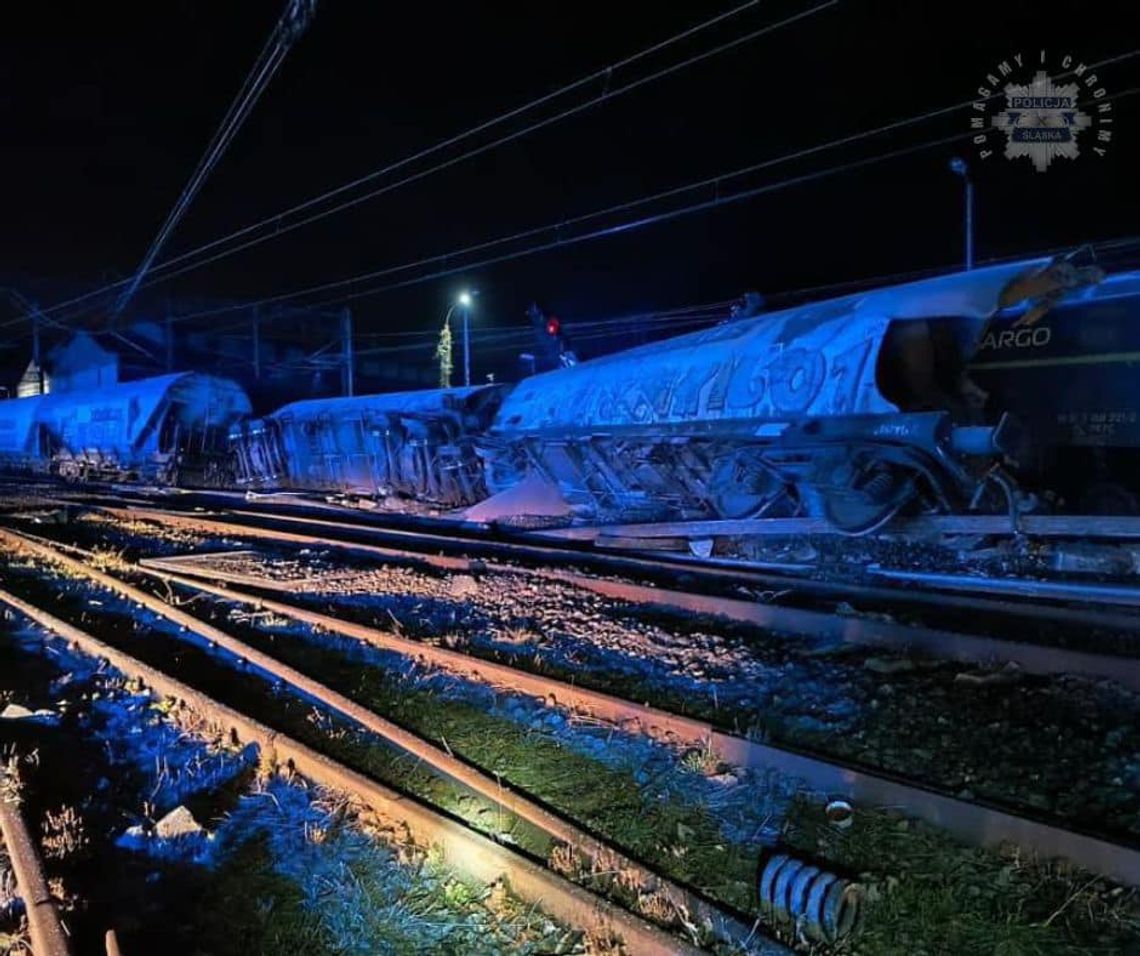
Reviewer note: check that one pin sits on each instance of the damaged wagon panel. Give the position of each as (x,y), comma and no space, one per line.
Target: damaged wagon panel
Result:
(414,444)
(817,359)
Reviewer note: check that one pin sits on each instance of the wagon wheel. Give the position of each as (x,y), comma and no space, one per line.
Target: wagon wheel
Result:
(741,487)
(874,496)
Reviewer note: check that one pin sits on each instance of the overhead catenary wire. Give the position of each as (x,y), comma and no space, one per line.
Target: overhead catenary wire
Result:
(714,181)
(276,222)
(510,338)
(560,240)
(285,32)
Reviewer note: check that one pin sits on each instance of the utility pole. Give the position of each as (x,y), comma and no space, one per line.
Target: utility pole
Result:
(463,301)
(467,345)
(257,343)
(346,352)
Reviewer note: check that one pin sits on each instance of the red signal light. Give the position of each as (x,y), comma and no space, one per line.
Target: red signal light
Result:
(553,326)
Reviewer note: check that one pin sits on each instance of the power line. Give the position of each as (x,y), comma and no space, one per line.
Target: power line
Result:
(711,181)
(280,228)
(511,338)
(287,29)
(714,181)
(562,241)
(808,151)
(558,241)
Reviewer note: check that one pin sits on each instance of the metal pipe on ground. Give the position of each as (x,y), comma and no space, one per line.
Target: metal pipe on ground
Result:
(44,925)
(475,856)
(1056,590)
(495,789)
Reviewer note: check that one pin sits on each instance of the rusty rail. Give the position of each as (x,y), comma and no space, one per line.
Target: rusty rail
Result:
(495,789)
(48,935)
(821,625)
(969,821)
(974,823)
(554,550)
(477,857)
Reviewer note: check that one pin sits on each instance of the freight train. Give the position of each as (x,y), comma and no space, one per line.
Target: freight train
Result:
(999,389)
(172,429)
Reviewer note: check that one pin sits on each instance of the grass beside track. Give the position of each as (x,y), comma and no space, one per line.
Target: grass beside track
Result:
(928,894)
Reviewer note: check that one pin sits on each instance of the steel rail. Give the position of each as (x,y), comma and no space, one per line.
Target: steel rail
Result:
(466,851)
(1045,526)
(496,789)
(973,822)
(720,572)
(1020,587)
(44,926)
(819,625)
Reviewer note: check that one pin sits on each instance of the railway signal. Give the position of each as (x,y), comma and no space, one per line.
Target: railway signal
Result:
(553,349)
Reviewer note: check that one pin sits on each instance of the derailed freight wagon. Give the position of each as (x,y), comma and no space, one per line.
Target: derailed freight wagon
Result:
(850,409)
(167,430)
(418,445)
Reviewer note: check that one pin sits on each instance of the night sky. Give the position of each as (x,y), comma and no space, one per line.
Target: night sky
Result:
(106,108)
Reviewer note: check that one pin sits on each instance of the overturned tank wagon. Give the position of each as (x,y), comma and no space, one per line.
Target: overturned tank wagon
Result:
(167,430)
(849,409)
(418,445)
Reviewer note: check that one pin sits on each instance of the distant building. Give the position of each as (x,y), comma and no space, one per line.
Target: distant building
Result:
(79,364)
(35,381)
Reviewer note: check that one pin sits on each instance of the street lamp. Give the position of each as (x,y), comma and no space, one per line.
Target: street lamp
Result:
(464,300)
(959,167)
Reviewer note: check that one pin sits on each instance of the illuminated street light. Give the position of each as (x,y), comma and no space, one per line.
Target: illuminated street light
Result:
(464,301)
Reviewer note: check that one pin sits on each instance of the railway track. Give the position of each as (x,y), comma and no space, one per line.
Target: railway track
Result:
(579,547)
(562,899)
(970,821)
(978,824)
(471,853)
(688,591)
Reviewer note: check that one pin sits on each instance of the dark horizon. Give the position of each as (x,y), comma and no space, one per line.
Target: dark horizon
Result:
(107,113)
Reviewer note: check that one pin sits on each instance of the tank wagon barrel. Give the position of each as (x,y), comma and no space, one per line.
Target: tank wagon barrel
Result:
(850,409)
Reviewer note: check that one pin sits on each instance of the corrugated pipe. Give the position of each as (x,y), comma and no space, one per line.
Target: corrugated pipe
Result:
(822,905)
